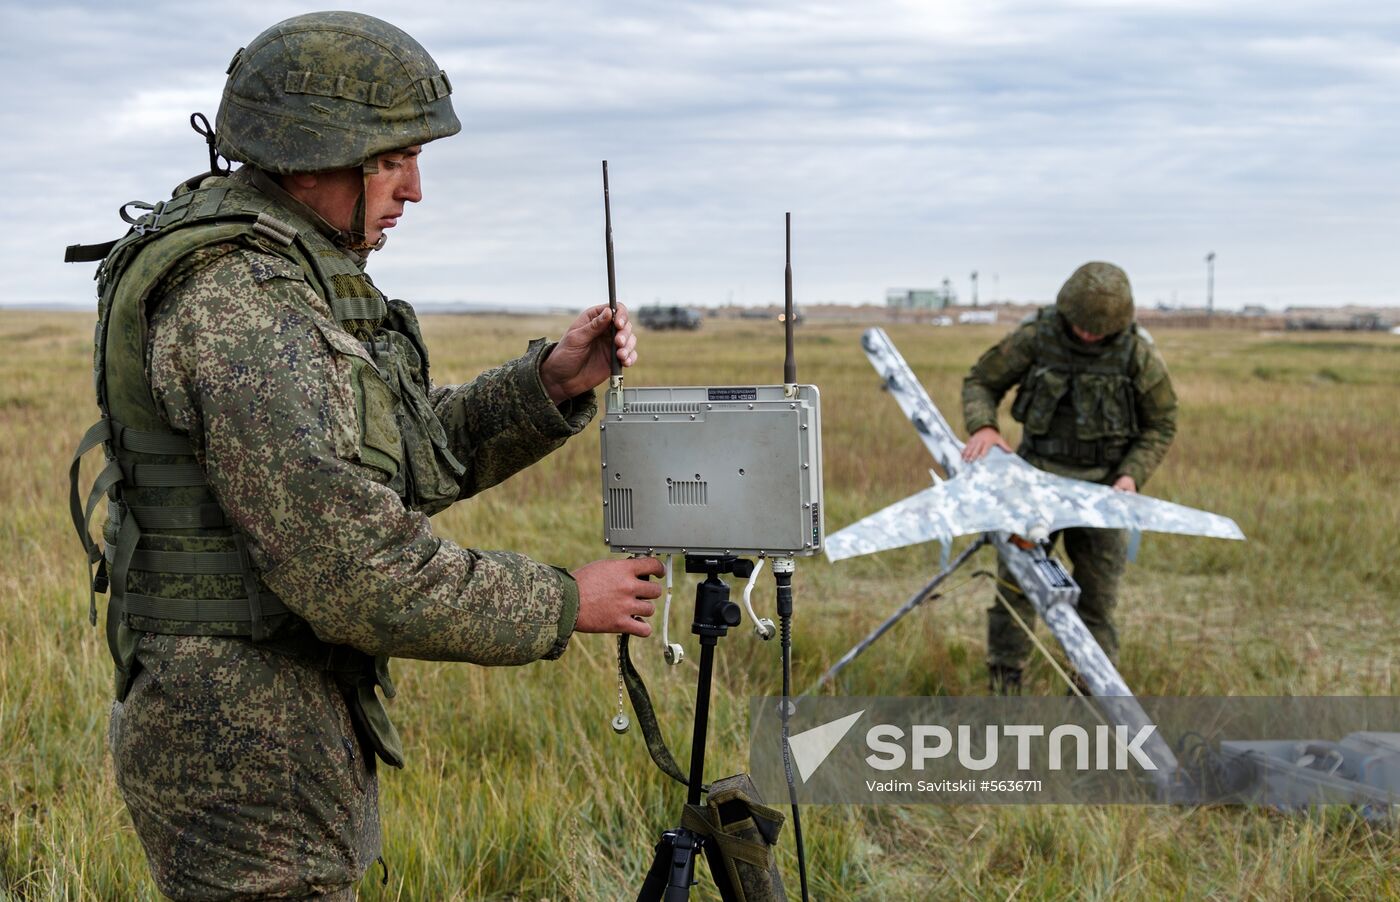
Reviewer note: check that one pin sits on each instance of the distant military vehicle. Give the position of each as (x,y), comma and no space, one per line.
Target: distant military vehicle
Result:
(661,317)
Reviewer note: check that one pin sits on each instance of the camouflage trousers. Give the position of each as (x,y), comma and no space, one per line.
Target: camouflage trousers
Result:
(243,773)
(1097,559)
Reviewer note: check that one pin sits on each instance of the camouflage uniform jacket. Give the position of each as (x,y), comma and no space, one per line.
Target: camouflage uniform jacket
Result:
(241,766)
(1145,426)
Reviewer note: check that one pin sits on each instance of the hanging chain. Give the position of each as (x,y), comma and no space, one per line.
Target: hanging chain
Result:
(620,723)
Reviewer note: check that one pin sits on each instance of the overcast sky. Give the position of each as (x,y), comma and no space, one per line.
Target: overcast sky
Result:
(910,140)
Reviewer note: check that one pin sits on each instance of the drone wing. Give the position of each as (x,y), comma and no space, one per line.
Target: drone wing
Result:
(904,387)
(1002,492)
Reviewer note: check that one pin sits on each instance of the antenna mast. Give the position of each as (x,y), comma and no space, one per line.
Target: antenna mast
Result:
(615,382)
(789,360)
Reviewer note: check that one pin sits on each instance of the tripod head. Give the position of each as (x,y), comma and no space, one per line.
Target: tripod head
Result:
(714,612)
(716,564)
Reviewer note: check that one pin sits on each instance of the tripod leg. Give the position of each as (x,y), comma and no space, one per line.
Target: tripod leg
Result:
(684,846)
(672,871)
(660,869)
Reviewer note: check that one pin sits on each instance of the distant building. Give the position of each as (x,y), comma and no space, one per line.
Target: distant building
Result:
(921,298)
(1340,319)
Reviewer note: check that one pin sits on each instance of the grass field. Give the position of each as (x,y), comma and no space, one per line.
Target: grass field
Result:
(516,788)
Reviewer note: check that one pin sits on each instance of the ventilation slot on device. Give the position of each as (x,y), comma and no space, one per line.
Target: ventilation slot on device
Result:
(690,493)
(620,508)
(655,407)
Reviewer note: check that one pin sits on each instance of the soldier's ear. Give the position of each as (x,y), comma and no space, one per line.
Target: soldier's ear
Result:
(300,180)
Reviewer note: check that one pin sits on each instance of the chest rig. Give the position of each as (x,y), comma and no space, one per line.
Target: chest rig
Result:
(1077,404)
(168,556)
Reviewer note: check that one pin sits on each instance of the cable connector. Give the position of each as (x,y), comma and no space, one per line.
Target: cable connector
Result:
(614,404)
(671,652)
(762,626)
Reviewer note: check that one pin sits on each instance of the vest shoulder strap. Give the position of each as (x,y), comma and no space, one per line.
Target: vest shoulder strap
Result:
(1051,349)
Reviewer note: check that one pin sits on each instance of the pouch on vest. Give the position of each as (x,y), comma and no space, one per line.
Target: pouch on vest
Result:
(432,474)
(381,445)
(358,681)
(1103,406)
(740,834)
(1038,397)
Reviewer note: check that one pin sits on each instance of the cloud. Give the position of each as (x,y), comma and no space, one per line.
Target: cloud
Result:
(911,141)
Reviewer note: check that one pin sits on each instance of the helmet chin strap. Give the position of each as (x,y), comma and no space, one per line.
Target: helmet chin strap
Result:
(358,224)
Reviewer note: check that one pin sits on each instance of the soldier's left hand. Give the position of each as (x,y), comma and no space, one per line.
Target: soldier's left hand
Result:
(583,357)
(1125,484)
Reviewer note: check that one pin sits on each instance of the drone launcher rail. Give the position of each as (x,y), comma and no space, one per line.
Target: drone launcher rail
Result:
(713,470)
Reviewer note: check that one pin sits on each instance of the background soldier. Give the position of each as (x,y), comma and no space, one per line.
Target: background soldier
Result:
(1095,403)
(275,447)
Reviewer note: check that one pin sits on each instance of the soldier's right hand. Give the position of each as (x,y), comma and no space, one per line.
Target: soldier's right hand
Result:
(982,441)
(614,594)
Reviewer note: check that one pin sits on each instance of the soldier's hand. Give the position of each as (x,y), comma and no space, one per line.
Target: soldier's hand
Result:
(982,441)
(1125,484)
(583,357)
(612,594)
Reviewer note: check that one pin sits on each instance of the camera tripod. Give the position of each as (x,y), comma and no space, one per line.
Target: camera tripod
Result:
(672,872)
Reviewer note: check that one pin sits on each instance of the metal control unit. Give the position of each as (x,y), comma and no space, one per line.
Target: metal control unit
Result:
(713,470)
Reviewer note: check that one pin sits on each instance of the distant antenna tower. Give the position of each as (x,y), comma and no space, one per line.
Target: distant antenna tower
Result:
(974,288)
(1210,283)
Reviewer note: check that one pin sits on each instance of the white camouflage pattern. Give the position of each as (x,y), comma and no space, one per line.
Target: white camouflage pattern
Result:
(1000,492)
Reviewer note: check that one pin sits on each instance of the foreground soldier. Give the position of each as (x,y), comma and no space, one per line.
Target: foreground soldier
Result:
(275,447)
(1095,403)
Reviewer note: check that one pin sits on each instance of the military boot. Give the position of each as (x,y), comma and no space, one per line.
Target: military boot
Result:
(1004,680)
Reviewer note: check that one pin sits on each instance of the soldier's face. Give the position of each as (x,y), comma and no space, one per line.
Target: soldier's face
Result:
(1089,338)
(390,189)
(334,194)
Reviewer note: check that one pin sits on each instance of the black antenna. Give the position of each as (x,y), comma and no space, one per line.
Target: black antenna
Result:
(789,361)
(612,271)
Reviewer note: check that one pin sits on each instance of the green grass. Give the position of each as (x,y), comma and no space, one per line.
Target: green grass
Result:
(516,788)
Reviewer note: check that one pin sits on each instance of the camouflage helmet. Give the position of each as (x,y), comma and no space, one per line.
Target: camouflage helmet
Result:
(331,90)
(1097,298)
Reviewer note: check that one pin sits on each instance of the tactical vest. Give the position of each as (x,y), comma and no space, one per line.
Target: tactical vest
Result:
(171,560)
(1077,408)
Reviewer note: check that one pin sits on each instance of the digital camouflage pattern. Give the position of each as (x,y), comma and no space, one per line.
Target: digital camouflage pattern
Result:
(1002,492)
(1097,298)
(242,767)
(243,773)
(1113,396)
(1098,558)
(331,90)
(999,492)
(1063,611)
(1007,500)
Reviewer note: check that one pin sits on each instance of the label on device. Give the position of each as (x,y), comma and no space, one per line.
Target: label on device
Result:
(733,394)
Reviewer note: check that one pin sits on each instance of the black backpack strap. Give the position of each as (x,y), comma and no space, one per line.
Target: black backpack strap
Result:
(88,253)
